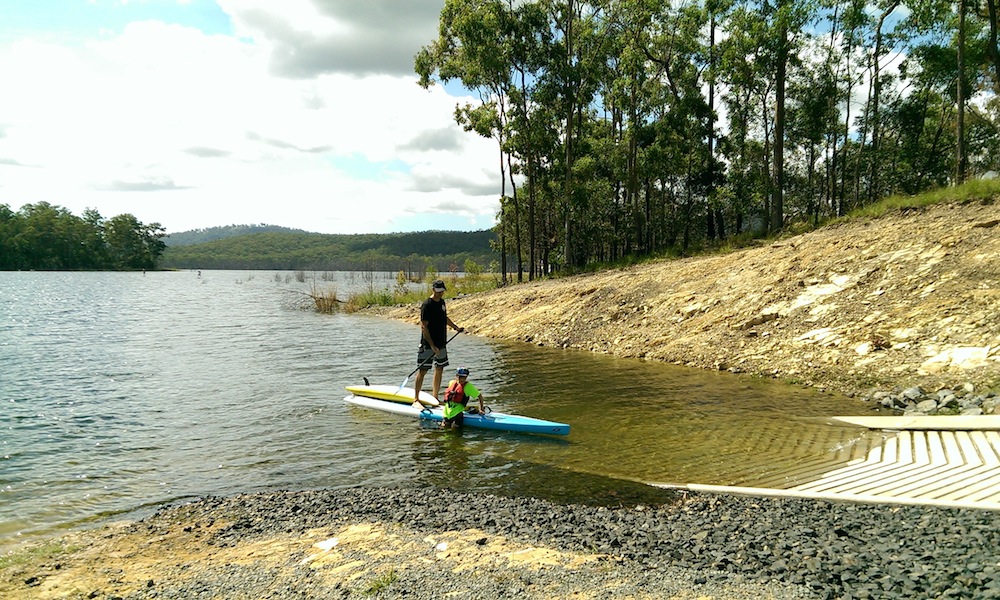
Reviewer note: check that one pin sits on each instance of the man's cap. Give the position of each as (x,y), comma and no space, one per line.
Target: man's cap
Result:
(438,286)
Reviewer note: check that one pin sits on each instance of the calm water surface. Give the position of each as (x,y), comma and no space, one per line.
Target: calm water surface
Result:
(122,391)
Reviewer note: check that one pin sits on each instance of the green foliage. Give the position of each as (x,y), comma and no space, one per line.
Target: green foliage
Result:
(46,237)
(200,236)
(380,583)
(473,268)
(980,190)
(31,555)
(401,294)
(649,128)
(411,252)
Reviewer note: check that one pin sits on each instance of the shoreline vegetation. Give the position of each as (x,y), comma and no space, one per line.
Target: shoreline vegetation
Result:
(895,296)
(474,280)
(406,290)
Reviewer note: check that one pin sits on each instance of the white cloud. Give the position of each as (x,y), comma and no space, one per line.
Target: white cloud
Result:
(194,130)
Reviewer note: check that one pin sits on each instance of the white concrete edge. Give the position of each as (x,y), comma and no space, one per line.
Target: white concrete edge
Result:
(928,422)
(868,499)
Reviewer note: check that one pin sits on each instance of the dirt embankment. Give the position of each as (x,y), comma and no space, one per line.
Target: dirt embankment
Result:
(911,298)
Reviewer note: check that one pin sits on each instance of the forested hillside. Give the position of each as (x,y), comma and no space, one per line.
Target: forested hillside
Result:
(208,234)
(441,251)
(633,128)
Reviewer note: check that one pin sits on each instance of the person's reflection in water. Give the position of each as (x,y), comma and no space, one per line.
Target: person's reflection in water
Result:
(441,459)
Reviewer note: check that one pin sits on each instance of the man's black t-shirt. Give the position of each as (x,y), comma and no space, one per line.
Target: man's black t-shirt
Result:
(436,316)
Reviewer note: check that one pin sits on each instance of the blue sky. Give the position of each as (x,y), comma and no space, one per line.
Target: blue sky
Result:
(198,113)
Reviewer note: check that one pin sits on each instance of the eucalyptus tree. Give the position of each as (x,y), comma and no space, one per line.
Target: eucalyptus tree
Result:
(571,83)
(48,237)
(744,65)
(945,44)
(471,48)
(848,20)
(625,86)
(923,121)
(8,229)
(777,217)
(992,45)
(812,124)
(679,53)
(884,43)
(531,127)
(961,160)
(716,225)
(977,89)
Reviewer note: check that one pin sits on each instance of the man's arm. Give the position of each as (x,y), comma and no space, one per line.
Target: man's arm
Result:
(475,394)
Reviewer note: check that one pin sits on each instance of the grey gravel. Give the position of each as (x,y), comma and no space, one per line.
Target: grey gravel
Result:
(690,546)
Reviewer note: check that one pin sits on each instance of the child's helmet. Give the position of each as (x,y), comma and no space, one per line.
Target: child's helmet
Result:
(462,372)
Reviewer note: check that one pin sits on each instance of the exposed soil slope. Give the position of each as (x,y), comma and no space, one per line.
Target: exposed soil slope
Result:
(911,298)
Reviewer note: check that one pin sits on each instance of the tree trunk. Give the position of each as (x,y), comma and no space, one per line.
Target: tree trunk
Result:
(568,186)
(777,204)
(961,161)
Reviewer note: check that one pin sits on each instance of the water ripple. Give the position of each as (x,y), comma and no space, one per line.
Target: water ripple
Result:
(120,391)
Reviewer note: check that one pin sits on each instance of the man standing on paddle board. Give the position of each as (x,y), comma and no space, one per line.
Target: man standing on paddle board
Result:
(434,323)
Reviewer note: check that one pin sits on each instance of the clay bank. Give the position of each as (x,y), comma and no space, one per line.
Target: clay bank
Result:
(905,302)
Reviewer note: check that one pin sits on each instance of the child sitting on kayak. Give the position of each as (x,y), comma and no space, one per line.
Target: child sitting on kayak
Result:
(456,399)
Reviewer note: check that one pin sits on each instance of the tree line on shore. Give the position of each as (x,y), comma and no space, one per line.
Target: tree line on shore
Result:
(649,126)
(46,237)
(412,253)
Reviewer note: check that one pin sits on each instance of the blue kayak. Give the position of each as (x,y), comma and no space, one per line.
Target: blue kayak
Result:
(491,420)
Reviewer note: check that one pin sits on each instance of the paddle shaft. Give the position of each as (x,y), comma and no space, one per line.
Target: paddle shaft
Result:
(422,363)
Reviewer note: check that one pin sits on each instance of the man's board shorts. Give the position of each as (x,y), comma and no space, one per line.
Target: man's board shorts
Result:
(424,360)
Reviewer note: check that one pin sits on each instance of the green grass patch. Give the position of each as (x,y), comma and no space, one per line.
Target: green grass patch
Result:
(35,554)
(380,583)
(980,190)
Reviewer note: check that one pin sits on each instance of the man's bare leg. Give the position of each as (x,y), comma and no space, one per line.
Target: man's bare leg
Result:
(437,381)
(417,384)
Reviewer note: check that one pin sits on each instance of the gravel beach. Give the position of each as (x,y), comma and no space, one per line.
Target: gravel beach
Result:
(406,543)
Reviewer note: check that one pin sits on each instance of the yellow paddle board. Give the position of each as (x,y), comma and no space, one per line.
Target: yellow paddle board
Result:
(392,393)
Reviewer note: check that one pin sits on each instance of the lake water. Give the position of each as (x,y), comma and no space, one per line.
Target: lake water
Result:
(123,391)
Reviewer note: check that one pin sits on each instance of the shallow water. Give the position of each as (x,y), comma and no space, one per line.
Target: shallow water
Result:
(122,391)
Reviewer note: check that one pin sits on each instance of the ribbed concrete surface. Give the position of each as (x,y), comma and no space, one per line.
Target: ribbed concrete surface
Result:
(952,466)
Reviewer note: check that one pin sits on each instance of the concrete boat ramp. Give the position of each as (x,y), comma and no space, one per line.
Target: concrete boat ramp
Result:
(931,460)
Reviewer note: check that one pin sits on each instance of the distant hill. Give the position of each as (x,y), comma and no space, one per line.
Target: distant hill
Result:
(297,250)
(200,236)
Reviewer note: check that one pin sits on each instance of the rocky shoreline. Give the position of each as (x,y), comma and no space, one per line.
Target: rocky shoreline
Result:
(916,401)
(408,543)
